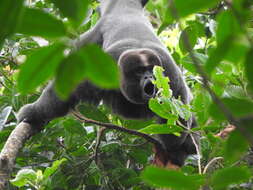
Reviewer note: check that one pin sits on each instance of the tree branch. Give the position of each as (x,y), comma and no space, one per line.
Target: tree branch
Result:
(100,133)
(10,150)
(150,139)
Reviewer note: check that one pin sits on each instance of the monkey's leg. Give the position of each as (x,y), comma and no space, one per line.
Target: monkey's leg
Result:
(46,108)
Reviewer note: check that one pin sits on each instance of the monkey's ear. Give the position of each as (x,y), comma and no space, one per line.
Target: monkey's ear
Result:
(144,2)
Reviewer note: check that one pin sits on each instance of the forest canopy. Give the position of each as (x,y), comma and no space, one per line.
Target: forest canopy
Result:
(212,43)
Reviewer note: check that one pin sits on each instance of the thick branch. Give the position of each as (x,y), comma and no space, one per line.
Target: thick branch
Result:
(150,139)
(10,150)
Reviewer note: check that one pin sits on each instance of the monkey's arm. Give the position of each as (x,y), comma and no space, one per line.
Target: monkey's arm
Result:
(49,106)
(46,108)
(93,35)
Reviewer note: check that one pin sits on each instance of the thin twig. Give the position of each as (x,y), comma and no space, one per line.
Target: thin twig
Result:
(99,138)
(215,159)
(150,139)
(134,145)
(198,152)
(187,130)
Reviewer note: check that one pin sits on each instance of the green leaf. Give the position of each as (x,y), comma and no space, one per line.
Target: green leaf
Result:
(191,34)
(217,55)
(140,155)
(74,127)
(227,176)
(183,8)
(171,179)
(187,62)
(38,23)
(161,107)
(227,26)
(64,83)
(249,68)
(10,15)
(236,145)
(161,81)
(239,107)
(23,176)
(181,109)
(93,112)
(39,67)
(74,10)
(81,151)
(101,69)
(50,170)
(136,124)
(161,129)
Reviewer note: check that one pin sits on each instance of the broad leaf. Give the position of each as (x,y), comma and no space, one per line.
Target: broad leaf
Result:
(227,176)
(189,33)
(10,15)
(69,74)
(39,67)
(50,170)
(161,107)
(38,23)
(235,146)
(93,112)
(239,107)
(161,129)
(100,67)
(171,179)
(218,54)
(183,8)
(74,10)
(161,81)
(23,176)
(227,26)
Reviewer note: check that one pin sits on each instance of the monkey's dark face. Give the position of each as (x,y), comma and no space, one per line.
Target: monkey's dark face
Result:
(136,68)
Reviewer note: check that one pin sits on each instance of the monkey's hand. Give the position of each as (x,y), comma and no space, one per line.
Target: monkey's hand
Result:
(30,114)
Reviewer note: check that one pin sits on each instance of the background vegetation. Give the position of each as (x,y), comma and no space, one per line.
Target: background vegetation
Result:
(212,41)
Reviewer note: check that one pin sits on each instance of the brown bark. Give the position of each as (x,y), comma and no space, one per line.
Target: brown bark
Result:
(10,150)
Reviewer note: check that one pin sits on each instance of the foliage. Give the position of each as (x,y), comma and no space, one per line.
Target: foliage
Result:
(217,36)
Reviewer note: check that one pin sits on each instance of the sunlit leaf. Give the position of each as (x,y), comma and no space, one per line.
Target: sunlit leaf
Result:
(23,176)
(50,170)
(161,107)
(161,81)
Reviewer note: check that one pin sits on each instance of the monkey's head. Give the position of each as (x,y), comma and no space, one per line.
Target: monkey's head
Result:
(136,67)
